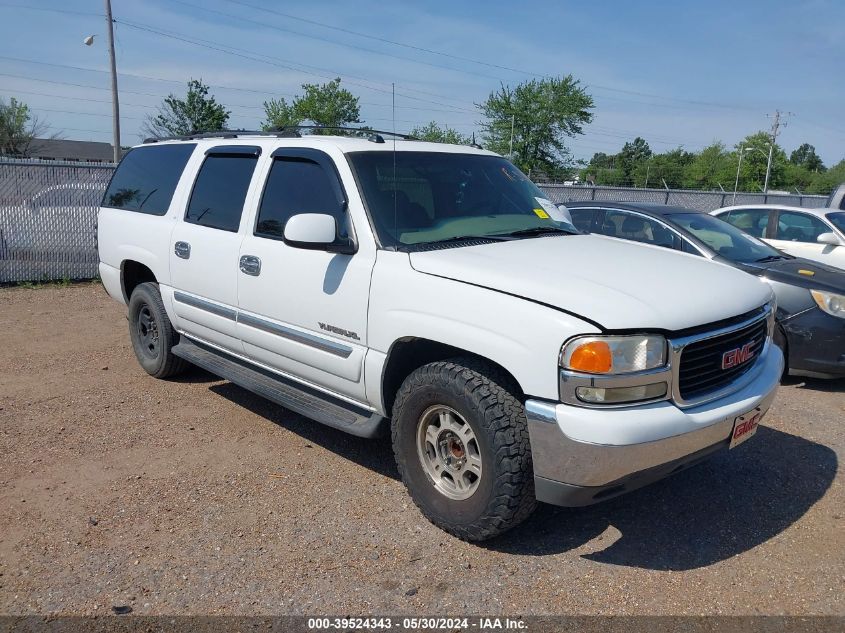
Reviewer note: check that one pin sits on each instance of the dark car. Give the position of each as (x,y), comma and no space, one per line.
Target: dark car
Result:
(810,295)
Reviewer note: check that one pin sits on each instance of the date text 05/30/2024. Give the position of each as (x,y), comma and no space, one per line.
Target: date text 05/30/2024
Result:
(417,624)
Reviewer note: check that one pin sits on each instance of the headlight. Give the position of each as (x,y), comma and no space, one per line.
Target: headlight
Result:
(831,303)
(613,354)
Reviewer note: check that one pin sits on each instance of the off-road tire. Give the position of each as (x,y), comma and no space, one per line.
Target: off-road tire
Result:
(485,397)
(146,303)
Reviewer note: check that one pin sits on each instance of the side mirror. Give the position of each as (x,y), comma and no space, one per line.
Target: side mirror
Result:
(316,231)
(829,238)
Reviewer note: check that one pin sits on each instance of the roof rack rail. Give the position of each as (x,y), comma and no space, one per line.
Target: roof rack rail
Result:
(215,134)
(287,131)
(372,135)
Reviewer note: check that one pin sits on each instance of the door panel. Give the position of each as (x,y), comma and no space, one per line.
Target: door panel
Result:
(205,246)
(796,233)
(305,313)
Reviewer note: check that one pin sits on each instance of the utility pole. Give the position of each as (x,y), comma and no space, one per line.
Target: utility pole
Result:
(115,107)
(513,122)
(776,125)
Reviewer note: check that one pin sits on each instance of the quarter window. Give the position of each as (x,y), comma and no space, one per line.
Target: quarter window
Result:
(799,227)
(583,219)
(147,177)
(296,185)
(217,200)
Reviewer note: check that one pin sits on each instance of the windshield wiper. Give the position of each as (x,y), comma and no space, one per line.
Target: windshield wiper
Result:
(539,230)
(770,258)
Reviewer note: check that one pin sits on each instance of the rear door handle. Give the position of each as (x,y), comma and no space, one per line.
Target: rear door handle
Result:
(182,249)
(250,265)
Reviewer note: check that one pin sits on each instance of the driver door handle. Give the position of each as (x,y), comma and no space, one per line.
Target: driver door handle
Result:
(250,265)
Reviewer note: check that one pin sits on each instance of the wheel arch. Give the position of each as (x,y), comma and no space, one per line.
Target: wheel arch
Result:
(133,273)
(410,353)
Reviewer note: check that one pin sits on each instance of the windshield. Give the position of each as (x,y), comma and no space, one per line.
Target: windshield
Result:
(727,240)
(427,197)
(838,220)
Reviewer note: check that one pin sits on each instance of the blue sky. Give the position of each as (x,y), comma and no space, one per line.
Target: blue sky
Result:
(676,73)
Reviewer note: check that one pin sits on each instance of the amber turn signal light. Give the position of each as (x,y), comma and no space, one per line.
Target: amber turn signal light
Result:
(593,357)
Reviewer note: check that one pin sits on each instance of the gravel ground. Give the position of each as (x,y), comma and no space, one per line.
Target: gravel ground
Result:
(192,496)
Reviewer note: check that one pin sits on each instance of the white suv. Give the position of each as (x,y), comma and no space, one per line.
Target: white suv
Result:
(433,291)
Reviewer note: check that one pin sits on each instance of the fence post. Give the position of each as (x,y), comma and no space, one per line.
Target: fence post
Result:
(722,204)
(667,197)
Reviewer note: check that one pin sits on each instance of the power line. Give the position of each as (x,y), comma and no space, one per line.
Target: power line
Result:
(330,41)
(382,39)
(265,59)
(50,10)
(217,86)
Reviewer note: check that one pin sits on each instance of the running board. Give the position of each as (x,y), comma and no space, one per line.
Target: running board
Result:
(309,402)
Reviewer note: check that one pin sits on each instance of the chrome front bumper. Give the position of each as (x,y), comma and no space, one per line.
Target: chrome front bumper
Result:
(584,455)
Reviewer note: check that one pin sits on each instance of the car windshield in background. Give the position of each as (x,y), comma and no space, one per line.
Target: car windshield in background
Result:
(838,220)
(425,197)
(725,239)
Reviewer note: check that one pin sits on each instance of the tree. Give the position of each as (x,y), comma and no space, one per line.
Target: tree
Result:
(631,156)
(753,172)
(542,113)
(197,112)
(669,167)
(824,182)
(711,167)
(321,104)
(437,134)
(19,128)
(278,114)
(805,156)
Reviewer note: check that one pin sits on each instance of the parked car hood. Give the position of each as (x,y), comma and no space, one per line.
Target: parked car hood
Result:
(613,283)
(797,271)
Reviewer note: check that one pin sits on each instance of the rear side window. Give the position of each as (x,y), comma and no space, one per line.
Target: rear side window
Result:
(146,178)
(296,185)
(753,221)
(636,228)
(217,200)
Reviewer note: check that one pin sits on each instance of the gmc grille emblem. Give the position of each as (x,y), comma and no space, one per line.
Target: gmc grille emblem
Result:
(737,356)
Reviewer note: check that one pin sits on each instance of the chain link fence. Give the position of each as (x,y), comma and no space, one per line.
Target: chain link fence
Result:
(701,200)
(48,214)
(48,219)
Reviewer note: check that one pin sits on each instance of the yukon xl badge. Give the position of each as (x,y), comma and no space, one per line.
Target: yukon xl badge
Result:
(341,331)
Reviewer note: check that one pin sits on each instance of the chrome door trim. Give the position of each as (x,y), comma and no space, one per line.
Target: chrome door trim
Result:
(362,405)
(311,340)
(208,306)
(317,342)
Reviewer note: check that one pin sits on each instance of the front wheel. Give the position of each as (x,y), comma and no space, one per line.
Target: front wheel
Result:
(460,438)
(152,334)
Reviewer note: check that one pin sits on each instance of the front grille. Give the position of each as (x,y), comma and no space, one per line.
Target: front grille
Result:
(700,370)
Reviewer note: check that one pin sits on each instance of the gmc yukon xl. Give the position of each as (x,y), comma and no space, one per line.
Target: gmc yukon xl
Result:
(433,292)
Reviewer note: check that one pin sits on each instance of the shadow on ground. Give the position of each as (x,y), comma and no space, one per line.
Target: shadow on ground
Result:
(830,385)
(377,455)
(723,507)
(729,504)
(195,375)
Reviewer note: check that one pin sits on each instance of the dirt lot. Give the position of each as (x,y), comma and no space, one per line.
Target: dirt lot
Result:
(194,496)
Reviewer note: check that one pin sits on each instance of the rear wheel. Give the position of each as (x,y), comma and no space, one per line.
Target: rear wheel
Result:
(461,444)
(152,334)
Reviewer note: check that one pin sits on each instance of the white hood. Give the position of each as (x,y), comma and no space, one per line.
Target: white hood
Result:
(617,284)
